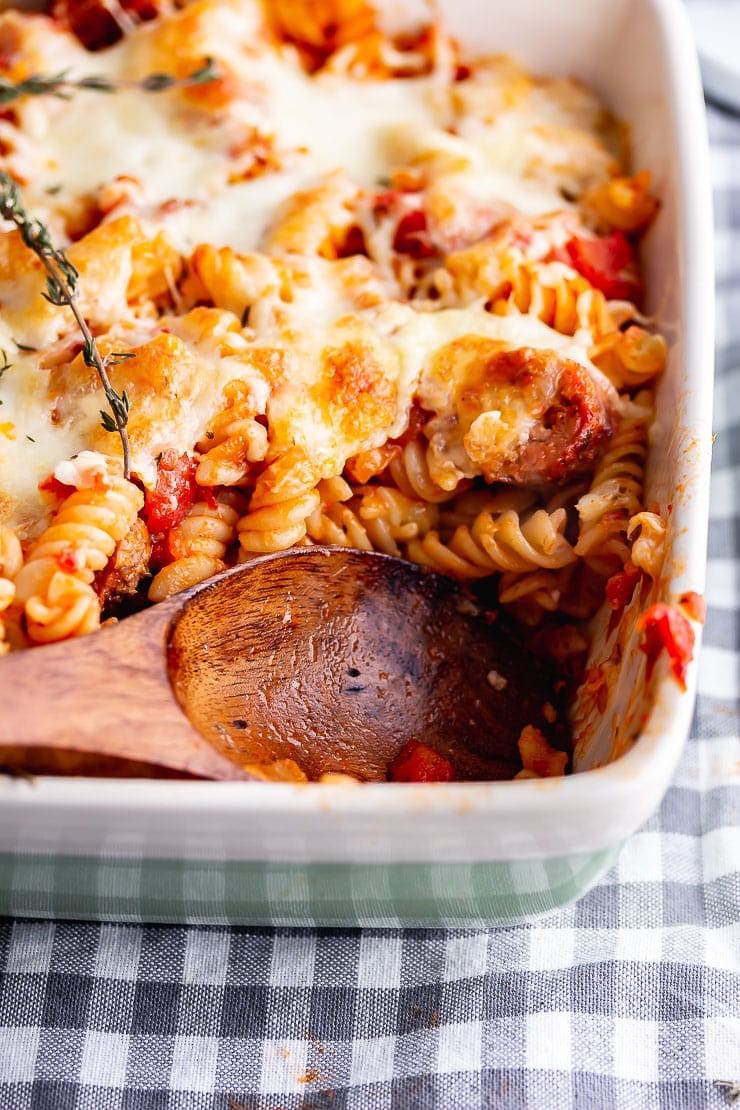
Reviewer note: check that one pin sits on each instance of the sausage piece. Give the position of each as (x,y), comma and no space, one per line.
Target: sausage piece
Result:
(570,431)
(526,416)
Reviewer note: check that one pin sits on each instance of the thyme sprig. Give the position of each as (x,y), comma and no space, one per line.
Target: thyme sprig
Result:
(64,86)
(61,290)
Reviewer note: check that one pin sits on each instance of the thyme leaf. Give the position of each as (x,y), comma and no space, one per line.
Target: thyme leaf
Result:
(61,290)
(63,85)
(120,407)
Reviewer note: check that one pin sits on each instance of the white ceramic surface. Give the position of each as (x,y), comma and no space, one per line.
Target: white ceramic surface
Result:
(639,56)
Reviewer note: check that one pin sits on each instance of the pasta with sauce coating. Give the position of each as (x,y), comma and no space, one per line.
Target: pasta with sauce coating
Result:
(54,586)
(405,318)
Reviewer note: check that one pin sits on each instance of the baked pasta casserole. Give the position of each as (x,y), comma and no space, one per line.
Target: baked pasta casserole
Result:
(350,286)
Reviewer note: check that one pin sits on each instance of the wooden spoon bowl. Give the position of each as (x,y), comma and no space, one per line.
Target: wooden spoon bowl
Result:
(330,657)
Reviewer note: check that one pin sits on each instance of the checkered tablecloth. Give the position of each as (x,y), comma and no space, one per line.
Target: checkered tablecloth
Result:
(628,999)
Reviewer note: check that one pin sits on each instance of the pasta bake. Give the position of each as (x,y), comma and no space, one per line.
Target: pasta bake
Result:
(350,287)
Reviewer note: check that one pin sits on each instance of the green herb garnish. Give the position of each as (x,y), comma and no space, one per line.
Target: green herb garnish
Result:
(61,290)
(64,86)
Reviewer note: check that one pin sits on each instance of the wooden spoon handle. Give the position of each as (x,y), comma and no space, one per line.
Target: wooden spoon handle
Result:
(102,703)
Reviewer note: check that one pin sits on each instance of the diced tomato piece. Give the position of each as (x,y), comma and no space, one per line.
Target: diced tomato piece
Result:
(174,493)
(69,560)
(54,486)
(354,243)
(620,587)
(160,555)
(92,22)
(418,763)
(608,263)
(694,606)
(384,201)
(664,627)
(205,493)
(412,236)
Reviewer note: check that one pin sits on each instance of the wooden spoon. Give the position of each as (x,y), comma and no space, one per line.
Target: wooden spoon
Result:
(330,657)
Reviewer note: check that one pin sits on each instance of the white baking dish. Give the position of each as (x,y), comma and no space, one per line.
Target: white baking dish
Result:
(458,853)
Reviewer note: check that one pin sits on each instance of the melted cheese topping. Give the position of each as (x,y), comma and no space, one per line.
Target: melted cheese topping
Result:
(177,150)
(236,202)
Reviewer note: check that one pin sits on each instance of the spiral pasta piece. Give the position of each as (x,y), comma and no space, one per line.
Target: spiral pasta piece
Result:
(378,518)
(392,519)
(199,544)
(622,202)
(534,591)
(615,494)
(502,542)
(234,440)
(432,552)
(410,472)
(284,497)
(55,585)
(230,280)
(630,358)
(11,553)
(333,522)
(551,292)
(647,532)
(277,527)
(567,302)
(7,593)
(469,505)
(11,561)
(67,608)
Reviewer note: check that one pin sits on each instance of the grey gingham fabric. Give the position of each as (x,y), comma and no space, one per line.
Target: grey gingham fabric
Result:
(628,999)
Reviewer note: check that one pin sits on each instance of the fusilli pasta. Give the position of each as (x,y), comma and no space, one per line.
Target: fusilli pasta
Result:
(55,584)
(615,494)
(377,518)
(284,498)
(622,202)
(11,561)
(410,472)
(424,338)
(199,544)
(501,542)
(234,440)
(647,533)
(630,358)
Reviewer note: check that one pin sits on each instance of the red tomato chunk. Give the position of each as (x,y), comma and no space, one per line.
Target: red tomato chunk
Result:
(665,627)
(94,23)
(607,263)
(173,495)
(620,587)
(417,763)
(412,236)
